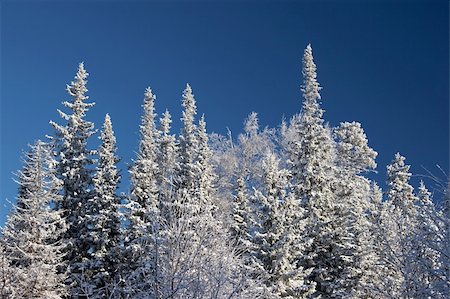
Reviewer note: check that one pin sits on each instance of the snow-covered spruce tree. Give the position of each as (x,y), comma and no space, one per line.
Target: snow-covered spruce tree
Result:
(205,172)
(427,258)
(354,157)
(167,164)
(276,242)
(292,282)
(180,241)
(242,221)
(372,282)
(310,147)
(30,237)
(267,200)
(311,154)
(399,223)
(242,227)
(75,170)
(400,193)
(103,219)
(187,172)
(141,247)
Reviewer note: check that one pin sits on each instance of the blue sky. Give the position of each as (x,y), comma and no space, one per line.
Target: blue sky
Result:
(382,63)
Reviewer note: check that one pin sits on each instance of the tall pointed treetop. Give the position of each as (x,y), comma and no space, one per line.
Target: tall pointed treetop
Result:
(144,169)
(103,216)
(107,125)
(310,146)
(202,135)
(148,130)
(310,87)
(75,169)
(165,122)
(143,212)
(78,88)
(188,139)
(107,159)
(399,189)
(190,110)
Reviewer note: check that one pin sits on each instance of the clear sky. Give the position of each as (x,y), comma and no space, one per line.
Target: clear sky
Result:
(382,63)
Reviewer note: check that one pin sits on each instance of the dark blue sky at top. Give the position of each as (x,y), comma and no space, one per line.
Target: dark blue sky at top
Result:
(382,63)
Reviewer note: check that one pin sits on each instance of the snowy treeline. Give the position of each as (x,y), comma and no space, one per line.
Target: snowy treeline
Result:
(273,213)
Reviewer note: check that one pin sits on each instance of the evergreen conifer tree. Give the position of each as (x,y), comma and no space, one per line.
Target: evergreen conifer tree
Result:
(242,222)
(426,259)
(185,184)
(167,164)
(375,270)
(354,157)
(75,170)
(104,219)
(311,162)
(30,237)
(143,209)
(399,223)
(277,242)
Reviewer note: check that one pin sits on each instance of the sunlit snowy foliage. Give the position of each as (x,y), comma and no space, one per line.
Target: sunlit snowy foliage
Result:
(286,212)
